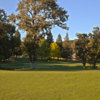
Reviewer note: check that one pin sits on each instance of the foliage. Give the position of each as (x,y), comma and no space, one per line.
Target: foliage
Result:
(49,38)
(81,47)
(59,41)
(17,39)
(94,46)
(36,18)
(55,50)
(4,43)
(66,50)
(44,49)
(66,38)
(6,36)
(30,47)
(3,16)
(72,45)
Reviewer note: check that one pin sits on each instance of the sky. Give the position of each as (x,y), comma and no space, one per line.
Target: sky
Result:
(83,16)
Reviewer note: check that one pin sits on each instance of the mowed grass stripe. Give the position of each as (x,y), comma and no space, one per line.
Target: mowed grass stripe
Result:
(49,85)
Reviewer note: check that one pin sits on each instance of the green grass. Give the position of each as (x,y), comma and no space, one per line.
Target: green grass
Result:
(42,66)
(20,63)
(49,81)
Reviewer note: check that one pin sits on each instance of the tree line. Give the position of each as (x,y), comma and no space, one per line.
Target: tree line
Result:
(88,47)
(43,47)
(9,38)
(37,18)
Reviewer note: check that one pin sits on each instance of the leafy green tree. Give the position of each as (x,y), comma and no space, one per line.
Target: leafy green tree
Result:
(4,43)
(55,50)
(37,17)
(81,47)
(59,41)
(66,50)
(17,38)
(49,38)
(6,36)
(11,32)
(72,45)
(66,38)
(94,46)
(3,16)
(30,47)
(44,49)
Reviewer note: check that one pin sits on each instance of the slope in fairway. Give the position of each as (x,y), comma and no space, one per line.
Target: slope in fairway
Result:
(49,85)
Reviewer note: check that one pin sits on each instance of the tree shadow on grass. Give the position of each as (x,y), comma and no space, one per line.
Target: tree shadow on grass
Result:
(24,65)
(14,65)
(57,68)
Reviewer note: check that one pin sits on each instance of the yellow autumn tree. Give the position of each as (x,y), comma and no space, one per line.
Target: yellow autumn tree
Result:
(55,50)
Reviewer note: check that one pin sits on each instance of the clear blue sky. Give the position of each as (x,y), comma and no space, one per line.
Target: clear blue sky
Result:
(83,15)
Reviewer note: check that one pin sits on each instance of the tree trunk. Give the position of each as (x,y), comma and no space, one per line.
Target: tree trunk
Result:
(31,57)
(94,64)
(32,65)
(84,65)
(16,56)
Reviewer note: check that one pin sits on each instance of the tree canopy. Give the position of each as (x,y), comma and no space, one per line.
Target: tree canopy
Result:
(94,46)
(82,47)
(6,36)
(37,18)
(55,50)
(59,40)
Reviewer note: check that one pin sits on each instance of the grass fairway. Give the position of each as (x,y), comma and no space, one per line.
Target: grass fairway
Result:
(48,84)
